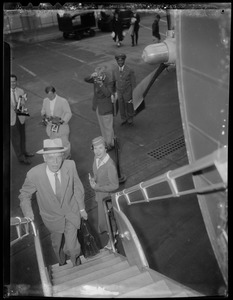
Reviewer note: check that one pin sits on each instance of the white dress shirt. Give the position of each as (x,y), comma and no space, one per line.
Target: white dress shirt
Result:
(121,68)
(51,177)
(52,104)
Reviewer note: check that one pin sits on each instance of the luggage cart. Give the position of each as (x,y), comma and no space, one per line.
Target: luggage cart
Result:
(78,25)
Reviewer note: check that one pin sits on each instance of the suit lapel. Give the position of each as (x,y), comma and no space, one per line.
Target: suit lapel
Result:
(48,186)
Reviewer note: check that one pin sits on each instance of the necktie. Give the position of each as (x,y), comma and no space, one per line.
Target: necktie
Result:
(57,187)
(14,98)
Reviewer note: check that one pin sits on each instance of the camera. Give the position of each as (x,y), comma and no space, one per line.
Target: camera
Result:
(21,110)
(98,77)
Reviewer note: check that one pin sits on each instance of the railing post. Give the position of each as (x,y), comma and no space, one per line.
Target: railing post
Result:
(111,237)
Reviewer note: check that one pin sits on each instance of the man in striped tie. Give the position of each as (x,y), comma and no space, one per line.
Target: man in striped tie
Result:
(60,197)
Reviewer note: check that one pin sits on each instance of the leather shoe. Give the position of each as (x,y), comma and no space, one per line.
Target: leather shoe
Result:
(25,161)
(76,261)
(29,154)
(65,263)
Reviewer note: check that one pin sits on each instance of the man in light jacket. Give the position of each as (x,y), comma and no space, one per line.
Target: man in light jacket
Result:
(57,113)
(60,197)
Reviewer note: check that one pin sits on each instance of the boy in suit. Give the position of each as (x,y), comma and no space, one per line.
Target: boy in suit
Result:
(60,197)
(124,83)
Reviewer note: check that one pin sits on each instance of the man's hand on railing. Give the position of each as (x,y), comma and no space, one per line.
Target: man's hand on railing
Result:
(29,215)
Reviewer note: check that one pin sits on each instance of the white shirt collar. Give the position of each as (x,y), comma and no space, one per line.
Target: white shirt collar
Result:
(52,173)
(106,158)
(52,177)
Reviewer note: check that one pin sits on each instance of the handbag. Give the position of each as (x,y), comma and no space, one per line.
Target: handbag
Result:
(86,239)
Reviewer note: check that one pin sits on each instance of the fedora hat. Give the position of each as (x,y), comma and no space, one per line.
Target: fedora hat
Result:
(52,146)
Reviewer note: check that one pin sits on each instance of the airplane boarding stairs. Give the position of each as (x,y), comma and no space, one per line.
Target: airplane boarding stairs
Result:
(110,275)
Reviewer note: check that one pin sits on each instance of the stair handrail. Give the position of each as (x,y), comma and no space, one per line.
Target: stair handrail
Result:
(217,159)
(18,223)
(110,231)
(131,234)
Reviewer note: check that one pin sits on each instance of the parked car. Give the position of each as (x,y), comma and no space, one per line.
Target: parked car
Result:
(104,21)
(77,25)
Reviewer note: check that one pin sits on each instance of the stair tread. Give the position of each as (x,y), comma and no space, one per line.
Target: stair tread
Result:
(78,272)
(158,289)
(102,255)
(57,271)
(86,265)
(106,274)
(122,286)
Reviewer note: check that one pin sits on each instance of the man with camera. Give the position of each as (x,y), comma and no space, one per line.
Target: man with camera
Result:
(56,114)
(102,103)
(18,116)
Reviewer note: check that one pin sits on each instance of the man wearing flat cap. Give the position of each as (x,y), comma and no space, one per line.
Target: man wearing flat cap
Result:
(104,181)
(124,83)
(60,197)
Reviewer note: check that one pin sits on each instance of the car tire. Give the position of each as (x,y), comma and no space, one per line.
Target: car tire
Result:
(65,35)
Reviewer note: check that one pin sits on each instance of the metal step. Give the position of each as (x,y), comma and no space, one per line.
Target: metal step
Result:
(110,275)
(86,269)
(109,271)
(154,290)
(97,289)
(59,270)
(105,277)
(103,253)
(71,269)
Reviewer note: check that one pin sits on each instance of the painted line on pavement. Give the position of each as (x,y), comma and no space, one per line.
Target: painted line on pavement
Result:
(72,57)
(30,72)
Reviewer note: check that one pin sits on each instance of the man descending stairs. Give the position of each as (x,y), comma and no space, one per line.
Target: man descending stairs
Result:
(109,275)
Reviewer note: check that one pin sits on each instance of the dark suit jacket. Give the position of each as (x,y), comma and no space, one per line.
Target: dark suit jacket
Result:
(52,212)
(102,96)
(136,24)
(124,84)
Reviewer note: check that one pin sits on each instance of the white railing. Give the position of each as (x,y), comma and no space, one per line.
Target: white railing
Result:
(23,230)
(167,185)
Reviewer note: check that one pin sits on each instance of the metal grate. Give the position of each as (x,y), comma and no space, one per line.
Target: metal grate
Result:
(168,148)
